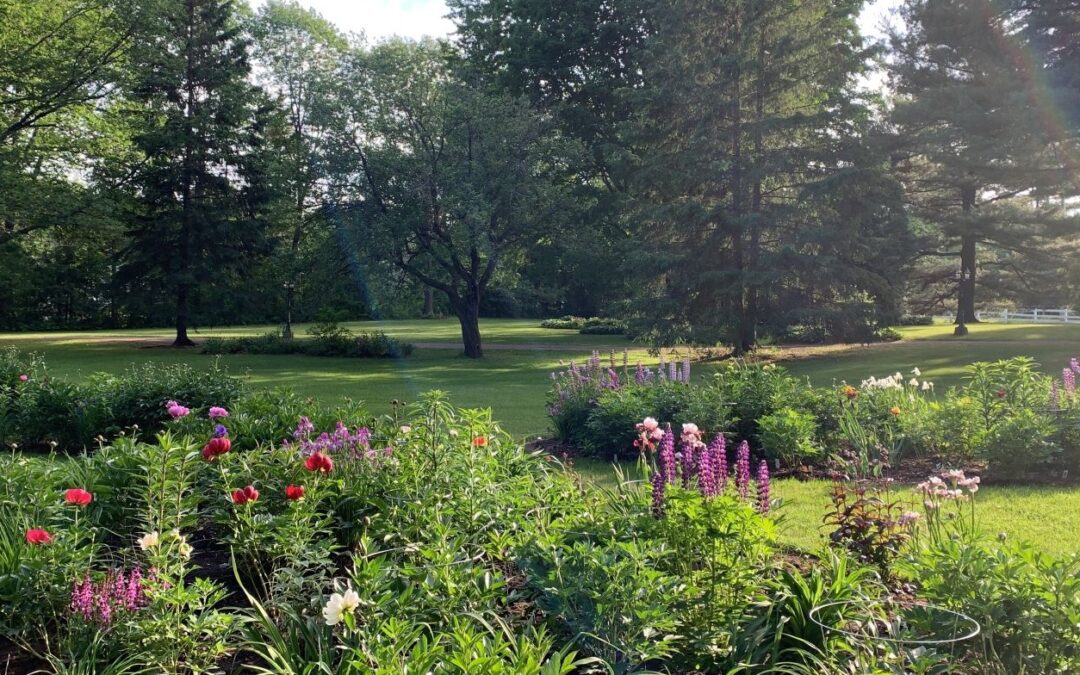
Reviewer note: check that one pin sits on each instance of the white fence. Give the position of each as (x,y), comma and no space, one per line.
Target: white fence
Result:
(1031,316)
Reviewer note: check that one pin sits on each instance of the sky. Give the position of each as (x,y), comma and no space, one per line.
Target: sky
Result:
(417,18)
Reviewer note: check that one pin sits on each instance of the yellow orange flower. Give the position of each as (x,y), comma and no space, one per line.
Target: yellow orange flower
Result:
(895,410)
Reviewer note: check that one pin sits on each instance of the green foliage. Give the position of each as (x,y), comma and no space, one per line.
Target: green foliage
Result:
(337,341)
(1024,601)
(788,435)
(44,411)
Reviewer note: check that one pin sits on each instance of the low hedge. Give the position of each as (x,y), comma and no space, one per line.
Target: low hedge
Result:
(375,345)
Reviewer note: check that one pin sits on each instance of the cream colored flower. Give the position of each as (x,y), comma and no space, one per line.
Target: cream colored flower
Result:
(339,605)
(149,540)
(185,550)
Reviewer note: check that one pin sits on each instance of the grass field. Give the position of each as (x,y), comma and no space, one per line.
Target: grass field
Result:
(513,378)
(1047,517)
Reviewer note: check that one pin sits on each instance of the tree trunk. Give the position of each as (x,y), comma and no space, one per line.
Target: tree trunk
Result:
(468,314)
(429,302)
(183,286)
(182,339)
(965,287)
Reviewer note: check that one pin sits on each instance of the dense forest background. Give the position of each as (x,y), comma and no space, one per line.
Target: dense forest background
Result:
(708,170)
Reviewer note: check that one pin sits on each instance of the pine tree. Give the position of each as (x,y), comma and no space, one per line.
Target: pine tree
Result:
(977,163)
(199,187)
(746,108)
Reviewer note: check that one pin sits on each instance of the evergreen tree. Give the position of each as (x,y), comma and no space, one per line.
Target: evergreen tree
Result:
(977,163)
(747,110)
(199,186)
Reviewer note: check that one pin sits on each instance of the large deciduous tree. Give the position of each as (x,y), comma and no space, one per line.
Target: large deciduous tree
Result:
(297,53)
(455,180)
(199,184)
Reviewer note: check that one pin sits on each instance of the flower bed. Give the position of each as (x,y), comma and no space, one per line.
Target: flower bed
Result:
(328,540)
(1011,419)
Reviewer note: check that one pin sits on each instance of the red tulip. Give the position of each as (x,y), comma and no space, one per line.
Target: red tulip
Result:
(215,447)
(38,536)
(480,441)
(319,462)
(294,492)
(245,495)
(78,497)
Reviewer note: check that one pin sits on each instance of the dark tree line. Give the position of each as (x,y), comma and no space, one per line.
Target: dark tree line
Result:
(709,171)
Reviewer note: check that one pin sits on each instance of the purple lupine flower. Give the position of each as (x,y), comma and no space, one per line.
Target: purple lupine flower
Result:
(762,487)
(1055,395)
(742,470)
(687,462)
(686,370)
(707,471)
(673,371)
(1068,378)
(720,463)
(657,481)
(1074,365)
(639,374)
(613,379)
(667,455)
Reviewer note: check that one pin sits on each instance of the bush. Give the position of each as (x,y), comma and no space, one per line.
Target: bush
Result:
(44,411)
(916,320)
(1024,601)
(586,326)
(327,340)
(788,435)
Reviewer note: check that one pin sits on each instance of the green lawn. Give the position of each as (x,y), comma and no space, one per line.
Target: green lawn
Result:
(1047,517)
(513,377)
(942,357)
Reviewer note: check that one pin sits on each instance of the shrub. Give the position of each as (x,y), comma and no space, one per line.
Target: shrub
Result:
(564,323)
(788,435)
(44,411)
(604,329)
(327,340)
(1024,601)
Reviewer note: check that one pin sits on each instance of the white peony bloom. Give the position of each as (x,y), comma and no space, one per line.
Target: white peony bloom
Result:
(339,605)
(149,540)
(916,372)
(913,382)
(927,385)
(332,612)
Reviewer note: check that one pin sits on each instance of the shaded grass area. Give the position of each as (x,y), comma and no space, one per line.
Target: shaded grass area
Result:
(1047,517)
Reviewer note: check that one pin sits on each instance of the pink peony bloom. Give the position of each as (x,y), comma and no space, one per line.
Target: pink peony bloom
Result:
(650,424)
(24,377)
(217,413)
(176,410)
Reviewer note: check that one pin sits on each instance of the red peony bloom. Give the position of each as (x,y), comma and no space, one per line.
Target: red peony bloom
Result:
(480,441)
(245,495)
(216,447)
(38,536)
(294,492)
(319,462)
(78,497)
(1001,393)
